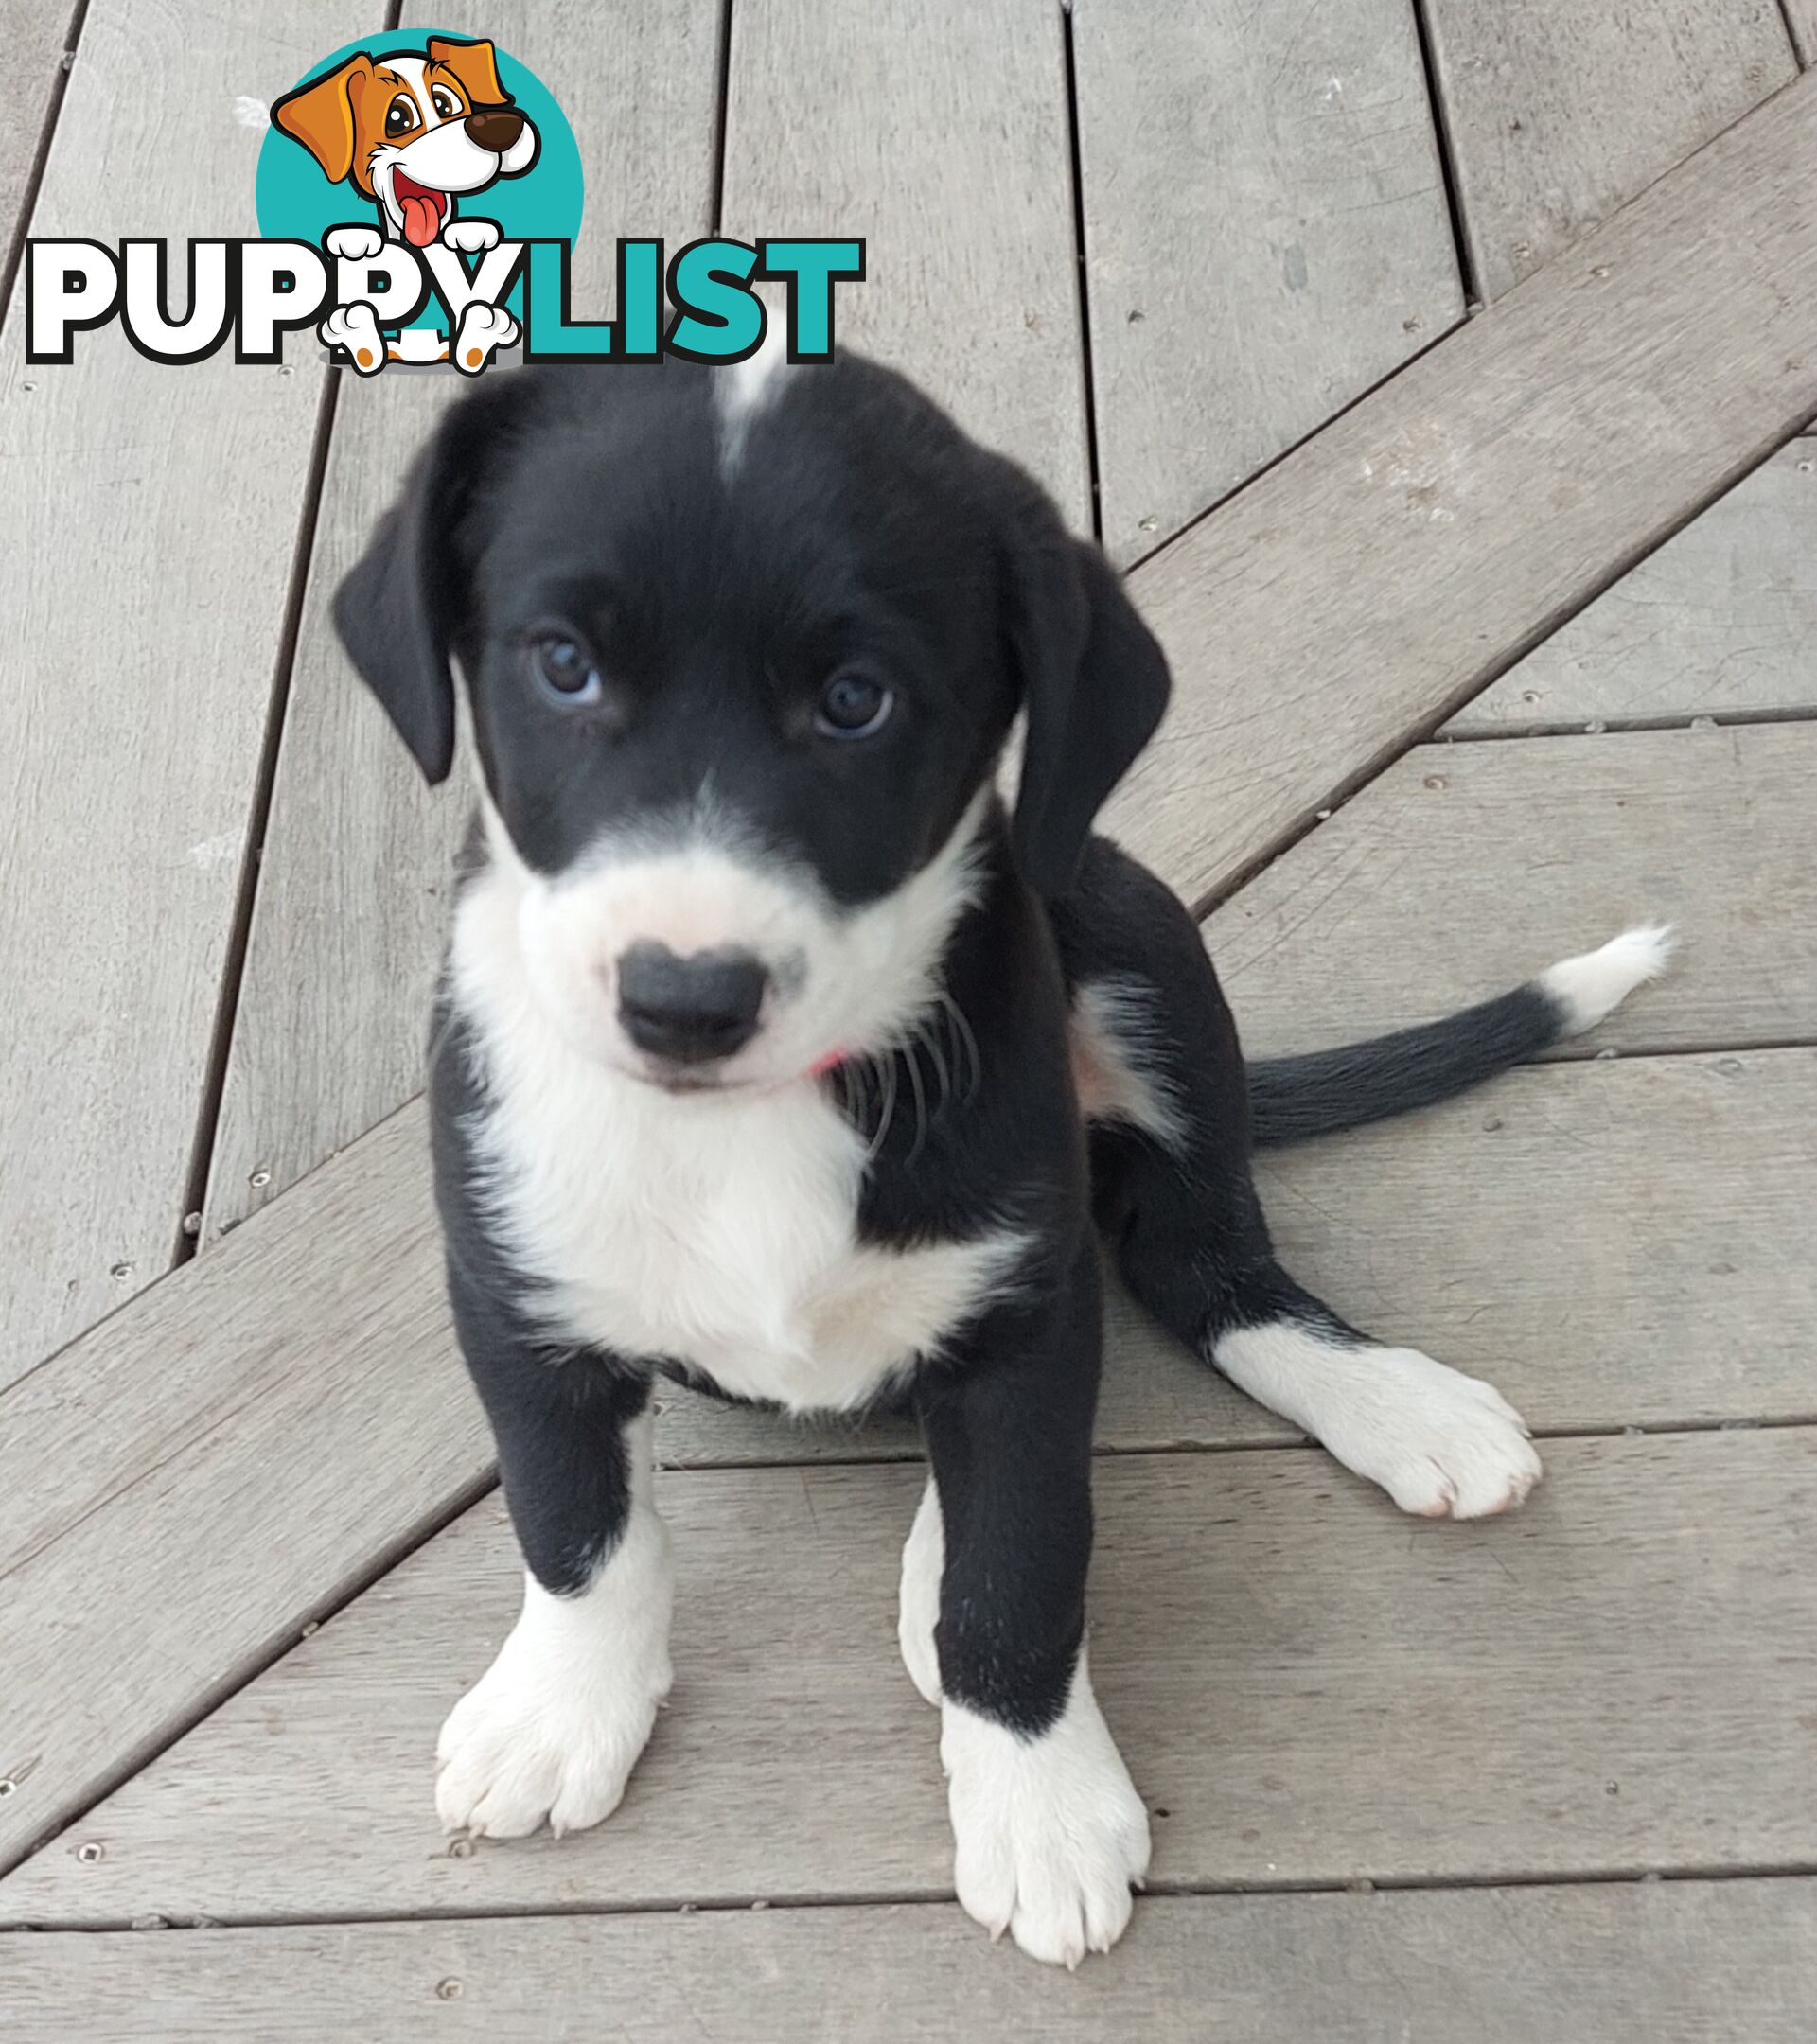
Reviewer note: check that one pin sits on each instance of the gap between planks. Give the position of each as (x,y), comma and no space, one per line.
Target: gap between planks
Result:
(935,1901)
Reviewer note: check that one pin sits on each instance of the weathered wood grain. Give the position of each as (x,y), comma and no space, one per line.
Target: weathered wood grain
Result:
(32,34)
(355,873)
(145,604)
(1466,869)
(937,131)
(1720,622)
(1266,236)
(1557,113)
(187,1484)
(1375,579)
(1672,1963)
(1311,1687)
(1801,16)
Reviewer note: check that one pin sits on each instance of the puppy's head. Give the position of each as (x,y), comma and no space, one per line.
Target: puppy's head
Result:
(413,132)
(742,648)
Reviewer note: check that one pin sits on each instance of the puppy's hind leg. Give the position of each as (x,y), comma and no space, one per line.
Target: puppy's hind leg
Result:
(1162,1079)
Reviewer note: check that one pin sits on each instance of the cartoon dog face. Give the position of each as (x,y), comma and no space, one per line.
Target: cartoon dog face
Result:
(413,132)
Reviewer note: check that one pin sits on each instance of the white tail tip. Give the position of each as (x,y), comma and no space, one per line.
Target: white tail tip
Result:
(1595,983)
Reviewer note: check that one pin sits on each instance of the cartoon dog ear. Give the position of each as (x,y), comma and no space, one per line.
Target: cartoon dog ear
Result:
(321,115)
(475,66)
(404,605)
(1094,685)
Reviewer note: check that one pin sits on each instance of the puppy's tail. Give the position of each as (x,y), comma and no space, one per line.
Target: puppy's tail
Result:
(1293,1098)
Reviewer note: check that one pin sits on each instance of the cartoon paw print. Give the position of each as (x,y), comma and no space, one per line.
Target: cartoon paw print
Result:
(354,328)
(483,329)
(472,237)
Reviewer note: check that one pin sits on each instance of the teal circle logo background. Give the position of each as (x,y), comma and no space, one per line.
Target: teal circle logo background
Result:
(295,203)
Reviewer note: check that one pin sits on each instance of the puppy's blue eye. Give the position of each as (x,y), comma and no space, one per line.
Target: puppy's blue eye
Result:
(853,706)
(564,670)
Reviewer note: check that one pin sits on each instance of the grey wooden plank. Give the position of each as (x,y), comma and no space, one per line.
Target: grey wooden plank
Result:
(1613,1245)
(354,876)
(124,834)
(1466,867)
(937,131)
(1308,1687)
(1375,579)
(232,1454)
(1720,622)
(189,1483)
(1801,16)
(33,34)
(1266,236)
(1557,113)
(1669,1963)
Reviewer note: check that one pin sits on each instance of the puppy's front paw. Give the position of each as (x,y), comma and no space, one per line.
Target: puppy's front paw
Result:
(472,237)
(358,244)
(552,1729)
(1442,1445)
(1049,1831)
(353,329)
(483,329)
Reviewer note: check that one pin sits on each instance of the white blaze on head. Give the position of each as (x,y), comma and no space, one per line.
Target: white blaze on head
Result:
(740,391)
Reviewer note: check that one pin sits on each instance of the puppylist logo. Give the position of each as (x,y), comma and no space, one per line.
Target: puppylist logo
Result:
(419,198)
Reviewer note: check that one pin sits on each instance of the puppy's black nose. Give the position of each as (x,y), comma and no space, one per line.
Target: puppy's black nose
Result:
(494,128)
(689,1010)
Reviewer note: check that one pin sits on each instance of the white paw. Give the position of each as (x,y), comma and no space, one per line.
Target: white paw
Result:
(552,1729)
(354,329)
(483,329)
(1442,1444)
(918,1610)
(250,112)
(1049,1833)
(358,244)
(470,236)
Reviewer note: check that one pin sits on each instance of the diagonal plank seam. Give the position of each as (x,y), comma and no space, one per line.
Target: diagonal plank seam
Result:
(722,121)
(259,818)
(257,822)
(1428,729)
(1447,164)
(1477,305)
(1076,173)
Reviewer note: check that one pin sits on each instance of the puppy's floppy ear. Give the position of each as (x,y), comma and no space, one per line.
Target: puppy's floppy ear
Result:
(475,65)
(404,603)
(1094,686)
(320,115)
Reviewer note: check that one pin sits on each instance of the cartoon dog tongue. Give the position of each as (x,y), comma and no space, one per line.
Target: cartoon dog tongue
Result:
(422,215)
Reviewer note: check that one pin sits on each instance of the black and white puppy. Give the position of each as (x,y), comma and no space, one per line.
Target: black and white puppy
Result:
(775,1056)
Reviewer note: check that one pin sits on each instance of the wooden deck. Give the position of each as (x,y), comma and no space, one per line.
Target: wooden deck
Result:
(1438,374)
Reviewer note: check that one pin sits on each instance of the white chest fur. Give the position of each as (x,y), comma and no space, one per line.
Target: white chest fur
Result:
(718,1232)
